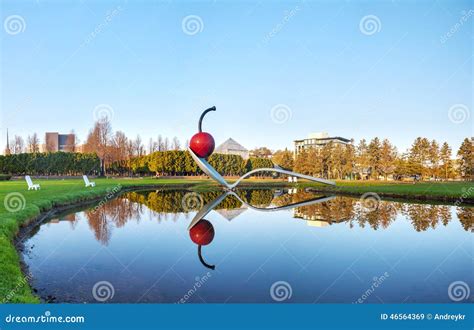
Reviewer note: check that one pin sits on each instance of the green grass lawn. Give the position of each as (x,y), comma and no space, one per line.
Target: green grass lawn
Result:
(54,193)
(425,190)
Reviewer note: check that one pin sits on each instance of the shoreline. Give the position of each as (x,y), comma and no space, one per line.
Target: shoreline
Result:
(451,200)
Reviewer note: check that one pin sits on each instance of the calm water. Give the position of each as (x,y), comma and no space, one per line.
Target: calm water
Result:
(137,248)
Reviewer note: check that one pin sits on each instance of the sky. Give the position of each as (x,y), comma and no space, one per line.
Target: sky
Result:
(275,70)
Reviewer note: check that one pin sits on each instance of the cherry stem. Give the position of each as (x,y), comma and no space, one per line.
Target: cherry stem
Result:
(202,117)
(202,260)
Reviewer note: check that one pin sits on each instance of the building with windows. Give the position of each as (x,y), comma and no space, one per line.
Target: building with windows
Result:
(232,147)
(59,142)
(318,140)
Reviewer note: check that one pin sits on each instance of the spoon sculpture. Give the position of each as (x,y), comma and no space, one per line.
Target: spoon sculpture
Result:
(202,146)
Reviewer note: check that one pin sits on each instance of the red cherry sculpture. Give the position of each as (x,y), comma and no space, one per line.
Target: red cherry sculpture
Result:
(202,143)
(202,233)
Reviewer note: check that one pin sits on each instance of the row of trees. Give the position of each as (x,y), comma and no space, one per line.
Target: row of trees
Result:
(120,154)
(376,159)
(18,144)
(32,143)
(179,162)
(57,163)
(114,149)
(106,151)
(380,159)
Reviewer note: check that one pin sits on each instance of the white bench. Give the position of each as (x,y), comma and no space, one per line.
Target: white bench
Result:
(292,179)
(31,185)
(87,182)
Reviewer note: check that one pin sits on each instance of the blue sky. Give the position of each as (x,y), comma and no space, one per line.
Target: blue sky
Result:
(398,81)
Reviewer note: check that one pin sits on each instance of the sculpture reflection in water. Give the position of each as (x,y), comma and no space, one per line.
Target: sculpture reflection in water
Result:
(166,205)
(202,232)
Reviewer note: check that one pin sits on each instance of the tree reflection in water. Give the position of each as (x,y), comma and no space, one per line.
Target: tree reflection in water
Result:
(167,205)
(114,213)
(466,217)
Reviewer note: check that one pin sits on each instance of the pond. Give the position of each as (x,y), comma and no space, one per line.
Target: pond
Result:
(310,248)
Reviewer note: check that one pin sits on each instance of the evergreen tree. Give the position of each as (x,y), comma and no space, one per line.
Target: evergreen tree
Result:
(434,157)
(375,157)
(362,158)
(388,155)
(445,157)
(284,159)
(466,160)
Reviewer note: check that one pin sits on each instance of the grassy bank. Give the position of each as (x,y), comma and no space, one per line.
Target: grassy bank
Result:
(57,193)
(440,191)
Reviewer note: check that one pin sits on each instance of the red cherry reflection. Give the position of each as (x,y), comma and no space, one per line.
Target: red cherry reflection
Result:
(202,233)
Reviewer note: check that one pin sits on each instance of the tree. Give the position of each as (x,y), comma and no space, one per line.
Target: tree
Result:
(138,149)
(362,158)
(333,160)
(388,155)
(284,159)
(337,158)
(445,157)
(433,157)
(401,167)
(325,153)
(301,162)
(33,143)
(99,141)
(175,145)
(419,156)
(262,152)
(254,163)
(160,143)
(466,160)
(120,152)
(17,145)
(375,155)
(314,163)
(152,147)
(349,160)
(57,163)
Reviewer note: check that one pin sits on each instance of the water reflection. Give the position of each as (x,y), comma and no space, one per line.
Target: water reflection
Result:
(141,244)
(114,214)
(202,232)
(167,205)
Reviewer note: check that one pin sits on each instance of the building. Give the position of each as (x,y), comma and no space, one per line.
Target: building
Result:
(318,140)
(7,149)
(59,142)
(231,147)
